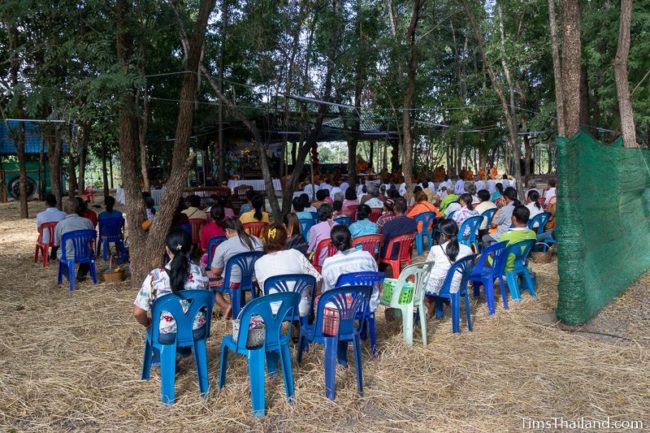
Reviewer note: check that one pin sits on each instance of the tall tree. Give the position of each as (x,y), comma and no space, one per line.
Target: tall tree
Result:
(571,61)
(620,72)
(557,70)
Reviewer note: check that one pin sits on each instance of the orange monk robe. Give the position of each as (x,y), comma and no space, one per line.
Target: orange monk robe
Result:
(494,173)
(481,174)
(469,175)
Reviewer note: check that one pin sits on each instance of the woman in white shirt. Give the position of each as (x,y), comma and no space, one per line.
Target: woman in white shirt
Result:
(532,203)
(443,257)
(281,261)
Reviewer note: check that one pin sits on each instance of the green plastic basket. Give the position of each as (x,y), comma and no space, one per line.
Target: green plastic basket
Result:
(405,296)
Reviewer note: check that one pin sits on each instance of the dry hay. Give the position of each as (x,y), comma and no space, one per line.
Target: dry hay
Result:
(71,362)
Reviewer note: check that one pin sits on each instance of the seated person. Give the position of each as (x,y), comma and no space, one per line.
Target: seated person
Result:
(109,203)
(550,191)
(178,274)
(149,208)
(257,214)
(503,218)
(307,204)
(295,239)
(443,257)
(224,203)
(84,212)
(484,205)
(50,215)
(422,206)
(214,228)
(446,201)
(346,260)
(248,205)
(299,208)
(372,198)
(321,231)
(238,241)
(350,200)
(388,214)
(397,226)
(363,226)
(72,222)
(337,207)
(280,260)
(532,203)
(180,219)
(194,211)
(466,211)
(520,232)
(321,196)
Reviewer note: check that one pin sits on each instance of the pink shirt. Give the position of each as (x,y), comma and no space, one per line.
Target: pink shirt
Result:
(317,233)
(209,231)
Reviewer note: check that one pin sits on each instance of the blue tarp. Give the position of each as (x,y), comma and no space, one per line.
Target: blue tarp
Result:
(32,138)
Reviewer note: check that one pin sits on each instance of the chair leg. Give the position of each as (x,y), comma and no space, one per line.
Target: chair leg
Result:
(36,254)
(235,300)
(331,345)
(528,279)
(59,276)
(373,333)
(358,363)
(488,286)
(504,295)
(46,255)
(256,374)
(342,353)
(301,346)
(287,372)
(93,272)
(513,286)
(272,362)
(476,288)
(145,374)
(440,312)
(201,363)
(418,244)
(223,365)
(167,372)
(455,313)
(468,311)
(423,323)
(407,324)
(105,249)
(71,275)
(395,269)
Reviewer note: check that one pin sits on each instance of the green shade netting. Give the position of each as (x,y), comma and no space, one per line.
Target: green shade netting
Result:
(603,223)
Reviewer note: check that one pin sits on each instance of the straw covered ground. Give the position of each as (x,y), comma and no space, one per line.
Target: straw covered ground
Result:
(71,362)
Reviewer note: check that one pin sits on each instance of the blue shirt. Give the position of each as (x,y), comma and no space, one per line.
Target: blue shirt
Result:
(112,214)
(363,227)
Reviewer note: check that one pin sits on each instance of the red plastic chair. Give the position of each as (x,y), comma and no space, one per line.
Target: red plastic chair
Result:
(351,211)
(370,243)
(331,250)
(405,245)
(375,213)
(255,229)
(44,247)
(197,224)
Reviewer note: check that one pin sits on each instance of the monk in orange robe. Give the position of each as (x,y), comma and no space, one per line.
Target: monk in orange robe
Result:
(494,173)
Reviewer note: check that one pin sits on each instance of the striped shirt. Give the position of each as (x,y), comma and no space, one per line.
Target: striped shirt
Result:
(344,262)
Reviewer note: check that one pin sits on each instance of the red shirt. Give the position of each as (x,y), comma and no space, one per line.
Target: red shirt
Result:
(209,231)
(92,216)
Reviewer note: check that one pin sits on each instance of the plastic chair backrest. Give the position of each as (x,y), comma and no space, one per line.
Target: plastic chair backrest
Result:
(370,243)
(343,220)
(405,245)
(111,228)
(285,302)
(255,228)
(324,243)
(352,210)
(196,224)
(418,274)
(241,190)
(305,225)
(83,242)
(463,266)
(488,216)
(451,215)
(171,303)
(212,246)
(246,264)
(541,220)
(375,213)
(424,220)
(314,216)
(521,250)
(349,302)
(366,278)
(49,228)
(292,283)
(497,253)
(469,226)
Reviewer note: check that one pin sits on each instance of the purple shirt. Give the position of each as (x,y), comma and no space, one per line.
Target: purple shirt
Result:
(317,233)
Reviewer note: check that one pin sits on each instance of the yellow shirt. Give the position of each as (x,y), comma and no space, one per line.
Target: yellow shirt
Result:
(247,217)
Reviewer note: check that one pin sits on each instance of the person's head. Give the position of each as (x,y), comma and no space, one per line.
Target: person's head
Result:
(470,188)
(194,201)
(109,203)
(552,183)
(258,205)
(298,204)
(321,194)
(341,237)
(416,190)
(499,187)
(420,196)
(350,194)
(82,206)
(510,194)
(424,184)
(304,198)
(275,238)
(181,205)
(505,176)
(292,223)
(217,213)
(393,193)
(446,178)
(466,200)
(149,204)
(249,195)
(178,244)
(533,197)
(483,195)
(400,205)
(70,205)
(363,212)
(449,230)
(337,205)
(222,201)
(389,205)
(520,216)
(233,227)
(50,200)
(324,212)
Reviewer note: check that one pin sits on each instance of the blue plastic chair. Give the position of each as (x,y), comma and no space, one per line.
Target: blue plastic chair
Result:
(212,245)
(463,266)
(314,216)
(305,225)
(424,220)
(349,302)
(488,216)
(275,345)
(110,230)
(246,264)
(484,273)
(470,225)
(541,220)
(520,250)
(343,220)
(184,336)
(292,283)
(84,252)
(375,280)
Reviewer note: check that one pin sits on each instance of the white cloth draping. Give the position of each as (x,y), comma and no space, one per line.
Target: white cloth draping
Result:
(257,184)
(119,195)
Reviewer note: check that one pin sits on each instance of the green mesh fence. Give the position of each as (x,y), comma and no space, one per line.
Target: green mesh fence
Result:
(603,223)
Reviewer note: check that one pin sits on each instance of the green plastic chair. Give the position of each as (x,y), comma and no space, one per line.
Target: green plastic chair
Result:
(407,302)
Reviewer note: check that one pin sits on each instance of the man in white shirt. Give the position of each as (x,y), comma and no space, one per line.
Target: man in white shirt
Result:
(492,186)
(50,214)
(344,187)
(459,188)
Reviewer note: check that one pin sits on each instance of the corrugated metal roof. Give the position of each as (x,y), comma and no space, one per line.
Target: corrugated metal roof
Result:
(32,138)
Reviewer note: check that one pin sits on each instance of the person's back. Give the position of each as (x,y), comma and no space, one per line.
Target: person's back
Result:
(50,215)
(214,228)
(484,205)
(397,226)
(228,249)
(109,213)
(449,198)
(194,211)
(257,214)
(71,222)
(321,231)
(520,232)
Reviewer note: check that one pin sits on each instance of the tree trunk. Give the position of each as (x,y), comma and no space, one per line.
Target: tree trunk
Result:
(407,142)
(54,146)
(72,175)
(83,155)
(557,70)
(142,139)
(620,74)
(22,170)
(104,171)
(584,97)
(571,61)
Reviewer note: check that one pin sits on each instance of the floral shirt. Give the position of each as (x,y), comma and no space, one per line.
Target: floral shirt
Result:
(461,215)
(157,284)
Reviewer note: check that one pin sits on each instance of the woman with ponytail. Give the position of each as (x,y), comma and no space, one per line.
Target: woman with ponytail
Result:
(178,274)
(257,214)
(238,241)
(466,210)
(443,257)
(532,203)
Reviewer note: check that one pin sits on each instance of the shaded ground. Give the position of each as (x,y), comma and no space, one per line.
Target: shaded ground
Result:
(71,362)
